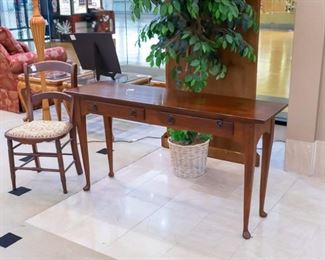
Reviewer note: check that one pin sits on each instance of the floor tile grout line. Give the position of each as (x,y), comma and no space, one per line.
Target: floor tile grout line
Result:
(138,223)
(202,218)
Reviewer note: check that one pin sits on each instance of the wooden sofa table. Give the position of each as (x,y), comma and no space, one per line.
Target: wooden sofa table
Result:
(242,120)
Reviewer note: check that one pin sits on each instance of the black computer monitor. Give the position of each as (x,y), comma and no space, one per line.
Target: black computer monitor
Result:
(96,51)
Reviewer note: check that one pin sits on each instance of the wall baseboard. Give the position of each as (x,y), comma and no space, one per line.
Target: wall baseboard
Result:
(305,158)
(320,158)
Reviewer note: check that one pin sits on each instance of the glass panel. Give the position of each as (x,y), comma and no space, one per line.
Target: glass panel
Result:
(275,50)
(121,33)
(137,55)
(15,15)
(65,7)
(94,4)
(79,7)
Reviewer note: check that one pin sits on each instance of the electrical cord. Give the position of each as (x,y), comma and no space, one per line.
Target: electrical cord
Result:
(156,137)
(126,141)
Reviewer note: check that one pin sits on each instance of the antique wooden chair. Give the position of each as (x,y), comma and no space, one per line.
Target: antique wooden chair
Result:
(38,131)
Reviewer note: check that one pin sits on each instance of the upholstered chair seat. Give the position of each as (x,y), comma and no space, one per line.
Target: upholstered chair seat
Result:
(40,129)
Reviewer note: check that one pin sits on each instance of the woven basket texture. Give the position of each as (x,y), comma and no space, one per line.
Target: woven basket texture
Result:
(189,161)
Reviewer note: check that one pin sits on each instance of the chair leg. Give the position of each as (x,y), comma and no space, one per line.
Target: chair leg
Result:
(36,158)
(74,149)
(12,164)
(61,165)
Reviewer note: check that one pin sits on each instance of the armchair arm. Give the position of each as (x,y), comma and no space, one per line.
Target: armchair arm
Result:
(24,46)
(4,52)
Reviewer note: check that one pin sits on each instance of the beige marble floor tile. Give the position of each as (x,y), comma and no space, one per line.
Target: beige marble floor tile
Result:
(135,245)
(314,248)
(169,224)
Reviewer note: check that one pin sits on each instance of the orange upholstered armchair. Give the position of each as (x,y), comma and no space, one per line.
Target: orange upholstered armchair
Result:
(13,55)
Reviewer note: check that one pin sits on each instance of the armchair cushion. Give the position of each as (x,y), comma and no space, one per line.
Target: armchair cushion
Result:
(40,129)
(17,60)
(9,42)
(56,53)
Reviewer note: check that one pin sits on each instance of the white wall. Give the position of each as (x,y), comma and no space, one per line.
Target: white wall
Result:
(306,118)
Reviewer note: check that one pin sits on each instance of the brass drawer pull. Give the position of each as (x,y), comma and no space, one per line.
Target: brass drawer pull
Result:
(94,107)
(133,113)
(219,123)
(170,119)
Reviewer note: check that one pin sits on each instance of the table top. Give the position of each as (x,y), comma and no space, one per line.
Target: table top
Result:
(175,101)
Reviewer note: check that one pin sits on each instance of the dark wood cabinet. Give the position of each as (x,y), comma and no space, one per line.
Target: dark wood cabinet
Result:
(81,16)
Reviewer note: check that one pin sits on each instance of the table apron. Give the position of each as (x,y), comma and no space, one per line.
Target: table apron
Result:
(222,127)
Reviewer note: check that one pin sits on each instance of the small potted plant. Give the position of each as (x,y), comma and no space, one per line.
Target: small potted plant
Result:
(189,151)
(195,34)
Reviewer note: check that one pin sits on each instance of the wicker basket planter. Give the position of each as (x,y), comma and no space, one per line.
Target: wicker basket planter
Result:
(189,161)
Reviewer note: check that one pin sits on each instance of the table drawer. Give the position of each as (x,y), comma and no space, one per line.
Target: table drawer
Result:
(217,127)
(118,111)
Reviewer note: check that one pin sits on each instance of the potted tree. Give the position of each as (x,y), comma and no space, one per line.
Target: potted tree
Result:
(194,34)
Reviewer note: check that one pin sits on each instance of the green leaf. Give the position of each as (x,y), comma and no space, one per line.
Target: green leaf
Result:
(195,63)
(147,4)
(230,17)
(229,38)
(163,10)
(177,5)
(172,53)
(224,45)
(188,78)
(245,53)
(156,10)
(193,40)
(164,29)
(214,70)
(170,9)
(158,61)
(136,13)
(197,46)
(171,27)
(217,14)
